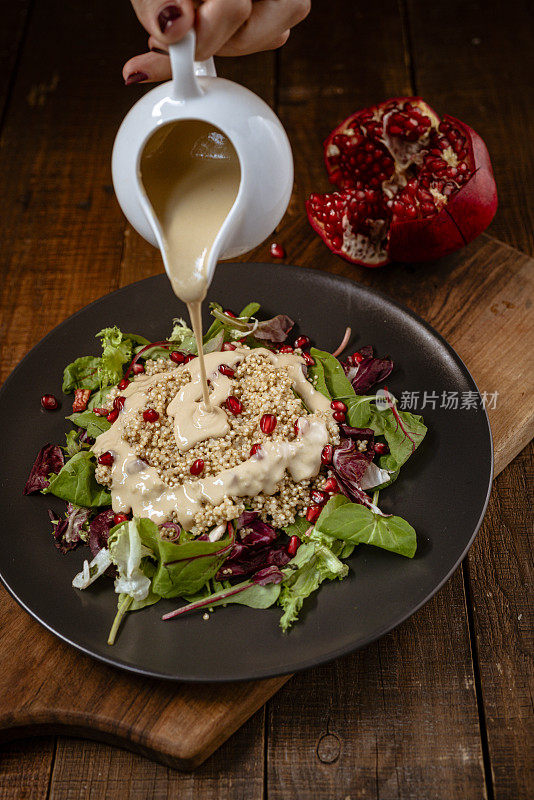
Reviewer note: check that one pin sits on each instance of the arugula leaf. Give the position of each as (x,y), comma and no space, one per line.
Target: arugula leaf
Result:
(314,563)
(73,446)
(317,377)
(297,528)
(81,374)
(337,383)
(216,326)
(93,424)
(250,310)
(359,525)
(76,482)
(181,569)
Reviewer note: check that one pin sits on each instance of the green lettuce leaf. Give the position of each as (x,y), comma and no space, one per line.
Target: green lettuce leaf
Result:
(76,482)
(81,374)
(93,423)
(403,431)
(246,593)
(116,352)
(313,564)
(183,336)
(357,524)
(181,569)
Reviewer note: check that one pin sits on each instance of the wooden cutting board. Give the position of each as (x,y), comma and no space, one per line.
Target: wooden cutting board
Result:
(47,686)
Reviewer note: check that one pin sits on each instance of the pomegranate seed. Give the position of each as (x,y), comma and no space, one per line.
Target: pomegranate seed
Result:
(302,342)
(234,405)
(326,454)
(338,405)
(357,357)
(310,361)
(150,415)
(123,384)
(381,448)
(138,368)
(106,459)
(228,346)
(277,251)
(285,348)
(339,416)
(119,402)
(112,416)
(49,402)
(197,467)
(230,314)
(224,369)
(268,423)
(296,428)
(100,412)
(118,518)
(189,358)
(177,357)
(331,486)
(293,546)
(318,497)
(312,513)
(254,449)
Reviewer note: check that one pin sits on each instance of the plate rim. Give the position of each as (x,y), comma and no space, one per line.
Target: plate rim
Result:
(338,652)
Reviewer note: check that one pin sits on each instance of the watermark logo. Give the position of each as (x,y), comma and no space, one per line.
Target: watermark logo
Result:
(453,401)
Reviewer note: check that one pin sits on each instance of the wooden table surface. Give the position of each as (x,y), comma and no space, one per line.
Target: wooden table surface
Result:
(440,708)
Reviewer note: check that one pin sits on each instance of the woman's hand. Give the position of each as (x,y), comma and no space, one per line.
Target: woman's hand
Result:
(223,28)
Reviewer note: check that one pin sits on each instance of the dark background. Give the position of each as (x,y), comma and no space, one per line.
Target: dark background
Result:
(440,708)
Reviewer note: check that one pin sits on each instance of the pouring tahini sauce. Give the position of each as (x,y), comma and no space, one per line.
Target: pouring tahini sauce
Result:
(191,175)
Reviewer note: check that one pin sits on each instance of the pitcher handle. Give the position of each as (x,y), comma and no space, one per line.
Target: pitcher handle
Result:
(184,68)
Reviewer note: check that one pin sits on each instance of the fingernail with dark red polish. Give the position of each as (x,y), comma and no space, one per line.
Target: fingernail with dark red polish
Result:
(159,50)
(136,77)
(168,16)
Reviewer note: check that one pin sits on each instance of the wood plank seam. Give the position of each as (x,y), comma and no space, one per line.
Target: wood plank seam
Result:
(486,756)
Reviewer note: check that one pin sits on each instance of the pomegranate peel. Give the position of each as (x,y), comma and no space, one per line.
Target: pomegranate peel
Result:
(410,187)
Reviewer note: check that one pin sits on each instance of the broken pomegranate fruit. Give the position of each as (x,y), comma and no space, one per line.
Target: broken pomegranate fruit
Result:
(411,187)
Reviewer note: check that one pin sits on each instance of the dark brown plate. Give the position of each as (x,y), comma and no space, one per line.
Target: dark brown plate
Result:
(443,491)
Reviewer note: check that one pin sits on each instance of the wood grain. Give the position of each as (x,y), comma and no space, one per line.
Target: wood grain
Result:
(363,57)
(500,569)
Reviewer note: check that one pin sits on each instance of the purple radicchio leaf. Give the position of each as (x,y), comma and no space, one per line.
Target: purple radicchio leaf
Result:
(50,459)
(275,329)
(170,531)
(99,529)
(259,548)
(368,371)
(67,532)
(351,459)
(268,575)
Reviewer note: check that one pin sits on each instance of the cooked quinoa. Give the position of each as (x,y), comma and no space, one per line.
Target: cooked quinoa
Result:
(262,388)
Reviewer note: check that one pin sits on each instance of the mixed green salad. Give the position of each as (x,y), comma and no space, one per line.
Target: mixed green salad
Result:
(254,563)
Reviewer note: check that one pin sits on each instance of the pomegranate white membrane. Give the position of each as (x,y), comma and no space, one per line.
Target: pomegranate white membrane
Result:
(191,176)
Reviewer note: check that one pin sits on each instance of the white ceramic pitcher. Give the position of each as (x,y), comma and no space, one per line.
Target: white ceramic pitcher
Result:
(254,130)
